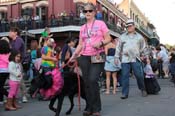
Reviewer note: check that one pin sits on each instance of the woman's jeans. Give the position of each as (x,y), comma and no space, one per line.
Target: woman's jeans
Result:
(91,74)
(138,73)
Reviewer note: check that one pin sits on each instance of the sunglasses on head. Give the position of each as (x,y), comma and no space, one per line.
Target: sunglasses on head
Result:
(85,11)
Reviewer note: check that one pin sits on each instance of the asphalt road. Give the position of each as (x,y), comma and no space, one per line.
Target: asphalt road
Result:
(162,104)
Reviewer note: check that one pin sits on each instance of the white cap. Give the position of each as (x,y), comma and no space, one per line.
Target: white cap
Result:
(129,22)
(5,38)
(51,40)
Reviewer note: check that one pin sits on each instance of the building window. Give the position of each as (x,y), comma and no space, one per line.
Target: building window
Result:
(136,18)
(42,12)
(130,13)
(3,15)
(27,11)
(133,16)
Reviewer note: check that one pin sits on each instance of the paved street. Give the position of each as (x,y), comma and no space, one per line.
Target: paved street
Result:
(153,105)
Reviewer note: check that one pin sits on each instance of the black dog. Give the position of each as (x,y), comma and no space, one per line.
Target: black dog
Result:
(70,89)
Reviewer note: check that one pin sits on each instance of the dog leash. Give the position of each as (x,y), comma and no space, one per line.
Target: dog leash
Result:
(75,65)
(79,88)
(34,95)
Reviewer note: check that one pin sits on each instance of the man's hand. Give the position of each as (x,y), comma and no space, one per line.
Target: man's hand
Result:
(116,61)
(125,53)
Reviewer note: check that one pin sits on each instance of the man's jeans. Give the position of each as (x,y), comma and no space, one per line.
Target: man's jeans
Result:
(138,72)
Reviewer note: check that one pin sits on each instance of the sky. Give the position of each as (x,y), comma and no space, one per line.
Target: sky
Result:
(161,13)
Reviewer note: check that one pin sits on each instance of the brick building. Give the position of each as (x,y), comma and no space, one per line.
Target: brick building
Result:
(62,16)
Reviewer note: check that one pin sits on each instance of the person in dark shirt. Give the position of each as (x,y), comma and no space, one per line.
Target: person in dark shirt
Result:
(67,52)
(172,66)
(99,15)
(17,42)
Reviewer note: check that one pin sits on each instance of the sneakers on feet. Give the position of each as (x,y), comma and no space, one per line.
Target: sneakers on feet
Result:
(124,97)
(144,93)
(86,113)
(1,103)
(24,99)
(96,114)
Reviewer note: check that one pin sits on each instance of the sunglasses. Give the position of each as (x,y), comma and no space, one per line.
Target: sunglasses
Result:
(85,11)
(129,26)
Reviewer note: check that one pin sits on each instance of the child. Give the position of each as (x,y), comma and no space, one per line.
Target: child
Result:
(151,83)
(148,69)
(15,76)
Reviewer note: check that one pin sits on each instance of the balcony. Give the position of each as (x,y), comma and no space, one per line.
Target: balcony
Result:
(7,1)
(54,22)
(144,31)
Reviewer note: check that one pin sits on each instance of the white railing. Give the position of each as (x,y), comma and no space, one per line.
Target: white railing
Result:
(7,1)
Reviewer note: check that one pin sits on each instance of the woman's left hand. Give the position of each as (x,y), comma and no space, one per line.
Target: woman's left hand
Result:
(97,45)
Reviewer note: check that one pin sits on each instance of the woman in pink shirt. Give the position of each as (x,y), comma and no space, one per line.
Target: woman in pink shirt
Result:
(93,36)
(4,55)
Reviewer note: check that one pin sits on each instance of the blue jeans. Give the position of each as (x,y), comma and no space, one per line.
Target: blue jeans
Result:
(138,73)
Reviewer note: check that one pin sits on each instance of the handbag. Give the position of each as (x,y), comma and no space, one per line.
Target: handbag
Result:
(98,58)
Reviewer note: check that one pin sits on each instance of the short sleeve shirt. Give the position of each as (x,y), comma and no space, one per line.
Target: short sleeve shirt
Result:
(48,52)
(90,34)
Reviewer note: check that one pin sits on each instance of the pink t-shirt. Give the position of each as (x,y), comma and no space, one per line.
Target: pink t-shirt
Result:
(4,61)
(90,34)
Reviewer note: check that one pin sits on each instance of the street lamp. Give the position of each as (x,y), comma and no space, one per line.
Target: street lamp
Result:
(25,38)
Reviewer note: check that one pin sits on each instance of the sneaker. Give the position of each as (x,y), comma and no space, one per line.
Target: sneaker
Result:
(24,99)
(144,93)
(86,113)
(124,97)
(1,103)
(96,114)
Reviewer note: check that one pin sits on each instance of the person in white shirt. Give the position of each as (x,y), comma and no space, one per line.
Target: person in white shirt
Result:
(163,56)
(15,76)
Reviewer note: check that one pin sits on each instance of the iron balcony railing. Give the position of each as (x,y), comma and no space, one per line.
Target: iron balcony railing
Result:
(54,22)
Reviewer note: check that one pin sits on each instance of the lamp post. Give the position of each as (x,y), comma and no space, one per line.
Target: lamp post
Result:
(25,39)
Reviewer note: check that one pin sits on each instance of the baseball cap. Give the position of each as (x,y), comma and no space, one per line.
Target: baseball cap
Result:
(51,40)
(129,22)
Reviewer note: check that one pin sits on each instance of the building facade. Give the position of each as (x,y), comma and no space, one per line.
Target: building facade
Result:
(62,16)
(129,8)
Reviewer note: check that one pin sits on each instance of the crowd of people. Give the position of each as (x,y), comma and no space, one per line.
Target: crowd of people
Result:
(95,50)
